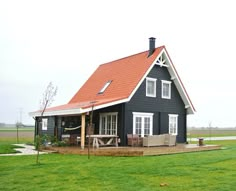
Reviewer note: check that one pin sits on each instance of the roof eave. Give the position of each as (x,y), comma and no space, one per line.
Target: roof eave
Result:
(77,111)
(56,112)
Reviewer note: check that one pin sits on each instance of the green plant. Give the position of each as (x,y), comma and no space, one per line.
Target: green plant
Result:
(60,144)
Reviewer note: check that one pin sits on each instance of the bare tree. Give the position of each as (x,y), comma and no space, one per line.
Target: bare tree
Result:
(48,98)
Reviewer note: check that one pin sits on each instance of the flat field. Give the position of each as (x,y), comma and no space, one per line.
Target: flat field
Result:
(214,132)
(11,132)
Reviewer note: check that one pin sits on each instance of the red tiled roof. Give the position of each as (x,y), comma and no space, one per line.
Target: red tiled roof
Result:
(124,73)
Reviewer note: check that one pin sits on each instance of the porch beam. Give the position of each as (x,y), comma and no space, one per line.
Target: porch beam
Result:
(82,130)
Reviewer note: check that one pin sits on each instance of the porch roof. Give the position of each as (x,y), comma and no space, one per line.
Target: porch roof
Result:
(77,108)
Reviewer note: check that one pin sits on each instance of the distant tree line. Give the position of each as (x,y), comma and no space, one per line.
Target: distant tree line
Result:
(2,124)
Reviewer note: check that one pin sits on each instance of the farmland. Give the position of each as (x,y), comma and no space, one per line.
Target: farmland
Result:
(211,132)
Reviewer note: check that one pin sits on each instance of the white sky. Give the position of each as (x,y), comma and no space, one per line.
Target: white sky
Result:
(65,41)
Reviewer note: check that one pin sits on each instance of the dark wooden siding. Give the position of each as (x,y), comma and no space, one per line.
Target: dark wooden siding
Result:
(157,105)
(50,127)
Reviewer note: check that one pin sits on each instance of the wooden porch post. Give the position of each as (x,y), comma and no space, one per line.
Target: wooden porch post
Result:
(83,130)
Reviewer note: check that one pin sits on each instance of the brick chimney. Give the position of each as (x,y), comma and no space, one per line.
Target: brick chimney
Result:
(151,45)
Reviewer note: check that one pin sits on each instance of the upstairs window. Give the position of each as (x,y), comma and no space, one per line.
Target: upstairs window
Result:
(105,86)
(151,87)
(166,89)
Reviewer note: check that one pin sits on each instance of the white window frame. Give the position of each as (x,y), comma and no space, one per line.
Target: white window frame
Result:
(105,87)
(162,89)
(143,116)
(173,123)
(105,116)
(44,124)
(155,87)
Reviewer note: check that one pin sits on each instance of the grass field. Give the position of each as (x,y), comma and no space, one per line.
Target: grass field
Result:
(221,132)
(209,170)
(12,129)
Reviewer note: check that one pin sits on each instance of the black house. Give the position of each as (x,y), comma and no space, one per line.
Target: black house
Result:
(139,94)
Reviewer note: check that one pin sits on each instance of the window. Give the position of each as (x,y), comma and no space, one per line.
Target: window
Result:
(166,89)
(173,124)
(151,87)
(142,123)
(44,124)
(108,123)
(105,87)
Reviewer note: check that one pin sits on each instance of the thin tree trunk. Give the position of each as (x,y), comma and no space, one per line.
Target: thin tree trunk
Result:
(38,137)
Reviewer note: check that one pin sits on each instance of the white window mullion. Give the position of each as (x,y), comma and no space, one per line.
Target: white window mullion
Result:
(151,126)
(142,126)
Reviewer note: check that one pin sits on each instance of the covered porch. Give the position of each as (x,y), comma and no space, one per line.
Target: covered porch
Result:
(75,129)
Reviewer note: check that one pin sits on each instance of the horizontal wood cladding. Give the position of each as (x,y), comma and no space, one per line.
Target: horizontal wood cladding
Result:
(50,126)
(140,102)
(161,108)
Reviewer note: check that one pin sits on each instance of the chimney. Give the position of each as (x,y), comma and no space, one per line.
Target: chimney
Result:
(151,45)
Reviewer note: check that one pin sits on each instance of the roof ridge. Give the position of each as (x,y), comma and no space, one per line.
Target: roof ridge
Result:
(163,46)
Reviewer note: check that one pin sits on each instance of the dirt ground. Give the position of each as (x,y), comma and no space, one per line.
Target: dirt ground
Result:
(23,134)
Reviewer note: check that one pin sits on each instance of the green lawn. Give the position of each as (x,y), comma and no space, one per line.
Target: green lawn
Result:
(14,129)
(6,146)
(209,170)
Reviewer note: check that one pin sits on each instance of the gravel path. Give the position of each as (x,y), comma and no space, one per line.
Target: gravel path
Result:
(26,150)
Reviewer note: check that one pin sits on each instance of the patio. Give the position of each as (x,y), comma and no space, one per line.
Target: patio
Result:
(135,151)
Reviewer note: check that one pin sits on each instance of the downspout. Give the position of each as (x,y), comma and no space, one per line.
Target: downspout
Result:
(123,139)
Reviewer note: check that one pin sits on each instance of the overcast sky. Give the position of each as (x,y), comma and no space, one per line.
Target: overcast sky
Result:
(65,41)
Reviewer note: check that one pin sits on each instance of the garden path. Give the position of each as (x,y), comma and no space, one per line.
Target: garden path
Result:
(25,150)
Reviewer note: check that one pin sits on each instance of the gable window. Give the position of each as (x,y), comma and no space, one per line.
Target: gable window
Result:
(105,86)
(165,89)
(44,124)
(142,123)
(151,87)
(173,124)
(108,123)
